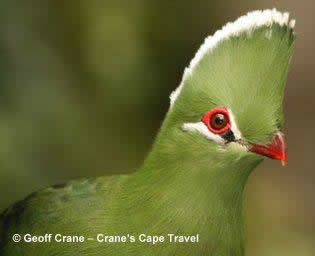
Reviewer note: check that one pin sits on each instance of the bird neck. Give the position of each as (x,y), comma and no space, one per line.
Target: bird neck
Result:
(198,195)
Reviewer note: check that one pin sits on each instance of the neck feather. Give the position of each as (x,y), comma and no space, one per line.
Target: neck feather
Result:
(199,195)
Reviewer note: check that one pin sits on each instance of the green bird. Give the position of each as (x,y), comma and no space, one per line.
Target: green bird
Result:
(187,198)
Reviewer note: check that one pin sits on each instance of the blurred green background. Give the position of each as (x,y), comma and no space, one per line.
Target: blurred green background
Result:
(84,87)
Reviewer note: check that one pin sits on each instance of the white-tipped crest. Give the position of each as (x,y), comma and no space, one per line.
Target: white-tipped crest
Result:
(247,23)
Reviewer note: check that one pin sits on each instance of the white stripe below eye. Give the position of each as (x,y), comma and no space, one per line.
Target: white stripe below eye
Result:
(203,129)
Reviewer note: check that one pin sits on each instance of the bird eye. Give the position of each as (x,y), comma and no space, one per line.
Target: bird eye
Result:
(217,120)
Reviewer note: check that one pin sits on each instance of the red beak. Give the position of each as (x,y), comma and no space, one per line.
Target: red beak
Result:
(276,150)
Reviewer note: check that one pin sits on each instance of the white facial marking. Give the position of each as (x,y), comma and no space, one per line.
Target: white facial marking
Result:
(234,128)
(203,129)
(238,147)
(245,24)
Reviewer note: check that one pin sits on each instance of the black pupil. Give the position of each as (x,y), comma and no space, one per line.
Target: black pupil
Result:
(219,119)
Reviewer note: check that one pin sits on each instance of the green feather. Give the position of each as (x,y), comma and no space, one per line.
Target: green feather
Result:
(188,184)
(246,74)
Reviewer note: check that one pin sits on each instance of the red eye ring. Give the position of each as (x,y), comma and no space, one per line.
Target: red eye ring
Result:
(217,120)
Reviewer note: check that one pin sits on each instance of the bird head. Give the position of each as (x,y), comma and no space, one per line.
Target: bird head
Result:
(230,100)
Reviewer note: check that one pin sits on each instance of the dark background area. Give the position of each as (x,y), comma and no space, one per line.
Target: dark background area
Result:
(84,87)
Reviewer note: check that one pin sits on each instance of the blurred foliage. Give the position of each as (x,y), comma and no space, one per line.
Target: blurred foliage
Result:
(84,89)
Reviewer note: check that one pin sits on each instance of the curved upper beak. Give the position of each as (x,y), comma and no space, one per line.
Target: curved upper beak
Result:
(276,150)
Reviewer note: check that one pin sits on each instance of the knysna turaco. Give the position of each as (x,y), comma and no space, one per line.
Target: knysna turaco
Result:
(224,118)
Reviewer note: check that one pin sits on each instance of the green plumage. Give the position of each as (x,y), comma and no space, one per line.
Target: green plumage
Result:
(188,184)
(247,75)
